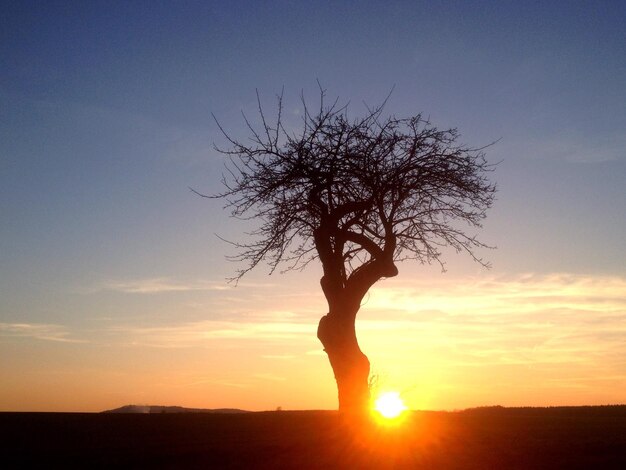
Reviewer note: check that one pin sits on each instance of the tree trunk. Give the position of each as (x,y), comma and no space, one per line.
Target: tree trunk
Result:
(351,367)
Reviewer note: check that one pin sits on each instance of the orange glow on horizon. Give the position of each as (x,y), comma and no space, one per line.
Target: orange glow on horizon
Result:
(550,340)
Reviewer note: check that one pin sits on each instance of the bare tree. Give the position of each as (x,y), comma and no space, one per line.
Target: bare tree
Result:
(359,196)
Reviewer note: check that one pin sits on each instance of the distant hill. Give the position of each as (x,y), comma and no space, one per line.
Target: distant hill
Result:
(147,409)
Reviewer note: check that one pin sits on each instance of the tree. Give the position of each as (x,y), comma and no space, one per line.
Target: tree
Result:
(359,196)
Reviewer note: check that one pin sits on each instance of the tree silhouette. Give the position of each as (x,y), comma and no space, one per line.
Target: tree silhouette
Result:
(359,196)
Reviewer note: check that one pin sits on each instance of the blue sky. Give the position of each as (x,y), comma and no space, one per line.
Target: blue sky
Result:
(105,122)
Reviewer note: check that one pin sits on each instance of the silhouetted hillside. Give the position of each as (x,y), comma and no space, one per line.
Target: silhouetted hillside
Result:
(595,410)
(147,409)
(568,438)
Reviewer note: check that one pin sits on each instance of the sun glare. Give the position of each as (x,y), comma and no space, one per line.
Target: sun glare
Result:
(389,405)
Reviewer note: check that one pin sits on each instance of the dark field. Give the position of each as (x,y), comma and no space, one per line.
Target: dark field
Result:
(498,438)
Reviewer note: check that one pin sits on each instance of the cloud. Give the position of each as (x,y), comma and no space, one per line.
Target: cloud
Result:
(282,357)
(524,319)
(270,377)
(193,334)
(160,285)
(491,296)
(41,331)
(157,285)
(529,319)
(223,383)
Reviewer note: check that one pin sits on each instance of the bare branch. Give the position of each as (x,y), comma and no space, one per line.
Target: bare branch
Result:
(359,195)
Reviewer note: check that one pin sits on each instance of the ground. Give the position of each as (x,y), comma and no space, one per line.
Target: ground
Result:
(493,438)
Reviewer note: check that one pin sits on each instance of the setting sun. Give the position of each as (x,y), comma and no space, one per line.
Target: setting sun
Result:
(389,405)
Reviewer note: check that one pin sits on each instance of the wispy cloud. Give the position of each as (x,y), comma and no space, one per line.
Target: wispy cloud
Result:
(40,331)
(210,331)
(503,296)
(156,285)
(159,285)
(523,319)
(533,339)
(529,319)
(222,383)
(281,357)
(270,377)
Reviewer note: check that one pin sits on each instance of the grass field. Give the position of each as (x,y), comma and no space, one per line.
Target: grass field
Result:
(492,438)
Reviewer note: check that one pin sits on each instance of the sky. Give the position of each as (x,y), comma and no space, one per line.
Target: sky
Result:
(113,283)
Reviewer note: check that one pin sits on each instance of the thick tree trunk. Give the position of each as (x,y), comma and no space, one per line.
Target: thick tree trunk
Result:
(351,367)
(336,329)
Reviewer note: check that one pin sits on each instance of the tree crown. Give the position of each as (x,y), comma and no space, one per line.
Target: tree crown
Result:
(357,194)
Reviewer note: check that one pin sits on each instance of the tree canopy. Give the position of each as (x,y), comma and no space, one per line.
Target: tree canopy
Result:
(381,189)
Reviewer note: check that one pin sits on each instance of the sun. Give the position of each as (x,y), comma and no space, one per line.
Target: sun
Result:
(389,405)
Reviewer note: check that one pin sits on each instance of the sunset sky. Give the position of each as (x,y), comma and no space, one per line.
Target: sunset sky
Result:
(113,283)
